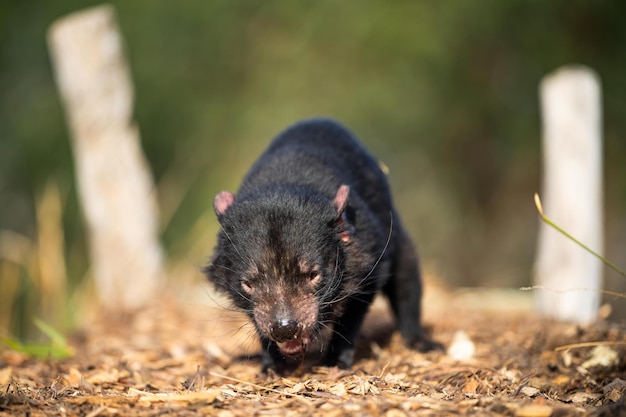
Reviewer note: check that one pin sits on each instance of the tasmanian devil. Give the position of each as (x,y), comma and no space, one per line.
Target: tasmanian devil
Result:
(309,239)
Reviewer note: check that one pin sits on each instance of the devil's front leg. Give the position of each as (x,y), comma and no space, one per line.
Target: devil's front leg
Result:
(342,346)
(404,291)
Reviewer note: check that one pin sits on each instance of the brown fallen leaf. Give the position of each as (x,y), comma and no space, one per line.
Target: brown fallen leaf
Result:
(534,411)
(583,397)
(471,386)
(206,396)
(339,390)
(5,375)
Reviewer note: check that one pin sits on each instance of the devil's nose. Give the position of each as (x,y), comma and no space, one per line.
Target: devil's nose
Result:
(284,330)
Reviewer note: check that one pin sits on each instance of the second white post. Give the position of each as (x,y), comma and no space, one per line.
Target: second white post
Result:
(571,195)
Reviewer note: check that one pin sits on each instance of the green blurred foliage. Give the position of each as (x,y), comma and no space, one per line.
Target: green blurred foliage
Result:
(444,92)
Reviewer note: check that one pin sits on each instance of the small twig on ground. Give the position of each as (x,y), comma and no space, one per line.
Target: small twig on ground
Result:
(261,387)
(589,344)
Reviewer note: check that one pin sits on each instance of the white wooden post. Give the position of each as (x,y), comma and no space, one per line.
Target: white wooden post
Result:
(114,181)
(571,195)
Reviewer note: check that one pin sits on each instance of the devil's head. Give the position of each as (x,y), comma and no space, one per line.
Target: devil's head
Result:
(281,258)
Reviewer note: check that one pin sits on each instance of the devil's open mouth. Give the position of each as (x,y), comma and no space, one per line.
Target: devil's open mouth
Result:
(294,347)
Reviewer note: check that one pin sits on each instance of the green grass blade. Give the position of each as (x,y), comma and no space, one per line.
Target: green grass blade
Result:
(56,337)
(56,349)
(573,239)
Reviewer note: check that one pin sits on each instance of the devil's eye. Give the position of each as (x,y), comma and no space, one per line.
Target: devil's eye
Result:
(246,286)
(314,276)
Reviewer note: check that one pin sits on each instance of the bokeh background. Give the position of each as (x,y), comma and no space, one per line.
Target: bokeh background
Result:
(445,93)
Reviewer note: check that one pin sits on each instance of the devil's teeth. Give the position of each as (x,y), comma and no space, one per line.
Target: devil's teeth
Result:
(290,348)
(294,347)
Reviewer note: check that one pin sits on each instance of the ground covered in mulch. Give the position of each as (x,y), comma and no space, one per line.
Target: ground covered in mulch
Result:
(200,361)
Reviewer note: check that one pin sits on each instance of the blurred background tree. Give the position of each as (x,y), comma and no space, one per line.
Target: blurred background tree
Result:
(445,93)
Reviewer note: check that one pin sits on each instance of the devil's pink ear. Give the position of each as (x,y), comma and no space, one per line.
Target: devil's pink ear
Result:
(341,199)
(223,200)
(341,202)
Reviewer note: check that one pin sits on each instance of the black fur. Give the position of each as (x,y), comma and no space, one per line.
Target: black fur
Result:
(313,227)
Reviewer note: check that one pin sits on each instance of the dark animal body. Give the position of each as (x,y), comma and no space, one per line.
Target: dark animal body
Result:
(310,238)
